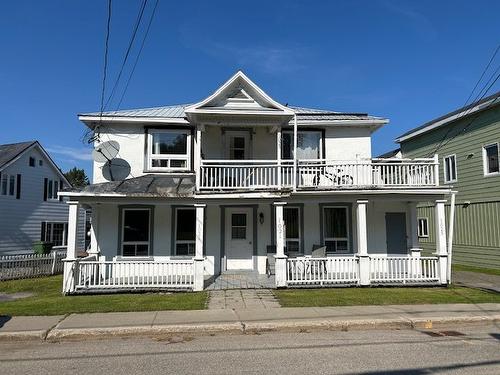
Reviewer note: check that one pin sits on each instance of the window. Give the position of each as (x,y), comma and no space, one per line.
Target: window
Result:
(308,145)
(490,159)
(291,216)
(32,161)
(51,189)
(135,232)
(450,169)
(185,231)
(423,227)
(8,184)
(237,148)
(336,229)
(56,233)
(40,162)
(169,150)
(238,226)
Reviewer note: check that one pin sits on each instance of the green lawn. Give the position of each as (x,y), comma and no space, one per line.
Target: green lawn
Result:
(489,271)
(382,296)
(48,300)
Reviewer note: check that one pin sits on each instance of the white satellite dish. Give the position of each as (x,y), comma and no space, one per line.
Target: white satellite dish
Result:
(106,151)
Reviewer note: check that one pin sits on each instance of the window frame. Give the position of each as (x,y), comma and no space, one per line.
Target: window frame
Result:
(446,168)
(245,227)
(348,227)
(51,187)
(149,243)
(187,156)
(10,185)
(32,162)
(188,242)
(485,159)
(421,233)
(50,224)
(299,226)
(321,142)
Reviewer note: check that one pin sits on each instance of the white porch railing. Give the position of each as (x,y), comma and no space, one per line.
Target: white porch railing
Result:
(404,269)
(245,174)
(132,274)
(321,271)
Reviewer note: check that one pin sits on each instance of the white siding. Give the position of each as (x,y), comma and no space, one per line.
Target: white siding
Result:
(342,143)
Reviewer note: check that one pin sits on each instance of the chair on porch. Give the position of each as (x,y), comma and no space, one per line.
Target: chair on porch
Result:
(271,261)
(319,251)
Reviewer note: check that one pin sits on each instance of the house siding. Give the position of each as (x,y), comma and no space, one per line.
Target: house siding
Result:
(20,219)
(477,225)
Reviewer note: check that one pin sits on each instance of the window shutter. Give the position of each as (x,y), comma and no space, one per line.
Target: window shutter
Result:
(42,234)
(45,183)
(60,189)
(18,187)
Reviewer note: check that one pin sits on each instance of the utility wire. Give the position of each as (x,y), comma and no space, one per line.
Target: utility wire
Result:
(106,49)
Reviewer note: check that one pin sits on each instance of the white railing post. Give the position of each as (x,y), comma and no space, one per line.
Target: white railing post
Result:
(70,260)
(436,169)
(198,259)
(281,259)
(362,237)
(94,231)
(197,157)
(441,248)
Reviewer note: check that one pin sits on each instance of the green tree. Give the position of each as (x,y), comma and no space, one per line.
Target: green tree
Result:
(77,177)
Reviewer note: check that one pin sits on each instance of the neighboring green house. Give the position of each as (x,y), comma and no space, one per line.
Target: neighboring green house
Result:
(467,143)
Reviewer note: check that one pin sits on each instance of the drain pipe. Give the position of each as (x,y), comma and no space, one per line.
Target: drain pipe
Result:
(451,226)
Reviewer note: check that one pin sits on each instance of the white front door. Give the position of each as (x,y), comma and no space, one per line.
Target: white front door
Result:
(239,238)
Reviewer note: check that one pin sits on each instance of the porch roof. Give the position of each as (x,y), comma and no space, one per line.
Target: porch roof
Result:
(151,185)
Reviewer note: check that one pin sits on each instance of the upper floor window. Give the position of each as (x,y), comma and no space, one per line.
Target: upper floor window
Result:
(32,161)
(169,149)
(308,145)
(8,184)
(490,159)
(51,189)
(450,169)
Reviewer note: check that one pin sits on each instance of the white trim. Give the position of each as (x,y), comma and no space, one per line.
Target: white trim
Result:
(122,242)
(169,157)
(347,238)
(446,167)
(176,241)
(142,119)
(420,230)
(9,185)
(299,226)
(485,159)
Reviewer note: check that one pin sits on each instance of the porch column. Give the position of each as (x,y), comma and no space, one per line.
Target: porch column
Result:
(362,237)
(70,261)
(280,257)
(441,250)
(94,229)
(198,248)
(295,132)
(278,154)
(415,248)
(197,156)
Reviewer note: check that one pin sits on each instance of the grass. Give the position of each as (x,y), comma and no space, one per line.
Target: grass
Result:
(489,271)
(48,300)
(382,296)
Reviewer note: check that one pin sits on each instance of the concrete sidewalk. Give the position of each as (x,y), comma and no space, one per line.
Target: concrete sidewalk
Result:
(246,320)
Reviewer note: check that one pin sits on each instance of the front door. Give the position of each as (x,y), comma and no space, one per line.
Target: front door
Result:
(239,238)
(395,229)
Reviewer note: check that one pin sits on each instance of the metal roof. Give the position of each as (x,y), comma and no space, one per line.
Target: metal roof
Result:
(8,152)
(178,111)
(151,185)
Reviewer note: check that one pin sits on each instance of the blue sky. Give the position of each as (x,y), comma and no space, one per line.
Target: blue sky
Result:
(409,61)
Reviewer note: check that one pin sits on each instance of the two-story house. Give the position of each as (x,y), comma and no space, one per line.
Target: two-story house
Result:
(30,208)
(239,182)
(467,141)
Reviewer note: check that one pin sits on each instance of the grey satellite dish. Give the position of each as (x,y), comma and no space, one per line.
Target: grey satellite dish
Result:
(106,151)
(116,170)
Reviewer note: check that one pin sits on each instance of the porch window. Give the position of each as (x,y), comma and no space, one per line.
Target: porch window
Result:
(136,232)
(291,216)
(169,150)
(57,233)
(308,145)
(423,227)
(450,169)
(490,158)
(185,231)
(336,229)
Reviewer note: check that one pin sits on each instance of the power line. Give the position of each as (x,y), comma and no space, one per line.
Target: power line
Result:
(106,48)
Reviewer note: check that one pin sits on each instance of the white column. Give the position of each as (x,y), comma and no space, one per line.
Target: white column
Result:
(197,156)
(280,265)
(415,249)
(198,247)
(278,154)
(441,250)
(436,169)
(362,237)
(94,229)
(70,260)
(295,131)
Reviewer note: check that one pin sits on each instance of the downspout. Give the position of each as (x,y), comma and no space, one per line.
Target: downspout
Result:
(295,151)
(451,226)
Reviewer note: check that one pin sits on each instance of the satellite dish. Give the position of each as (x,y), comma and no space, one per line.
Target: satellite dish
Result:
(116,170)
(106,151)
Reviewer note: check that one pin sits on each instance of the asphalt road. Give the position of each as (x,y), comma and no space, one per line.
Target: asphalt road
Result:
(477,351)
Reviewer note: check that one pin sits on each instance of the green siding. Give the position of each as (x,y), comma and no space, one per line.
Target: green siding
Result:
(477,226)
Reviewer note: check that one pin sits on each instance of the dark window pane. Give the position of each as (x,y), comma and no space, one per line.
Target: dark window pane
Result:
(185,249)
(238,142)
(186,225)
(50,189)
(292,246)
(238,233)
(239,220)
(330,247)
(341,246)
(128,250)
(142,250)
(32,161)
(169,143)
(335,222)
(177,163)
(291,217)
(492,158)
(136,225)
(238,154)
(286,145)
(11,186)
(4,185)
(159,163)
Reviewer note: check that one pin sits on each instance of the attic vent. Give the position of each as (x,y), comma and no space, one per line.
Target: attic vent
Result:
(240,95)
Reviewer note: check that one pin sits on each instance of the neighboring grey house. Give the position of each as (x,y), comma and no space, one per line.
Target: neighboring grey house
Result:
(467,141)
(30,209)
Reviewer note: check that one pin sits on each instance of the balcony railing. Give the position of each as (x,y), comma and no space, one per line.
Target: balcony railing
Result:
(219,175)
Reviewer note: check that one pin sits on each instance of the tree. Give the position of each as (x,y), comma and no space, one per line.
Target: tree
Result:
(77,177)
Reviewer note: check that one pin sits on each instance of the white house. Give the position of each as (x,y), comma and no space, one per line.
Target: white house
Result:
(30,209)
(239,182)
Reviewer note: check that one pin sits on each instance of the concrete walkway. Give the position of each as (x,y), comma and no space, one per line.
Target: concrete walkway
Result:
(477,280)
(242,299)
(240,280)
(247,320)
